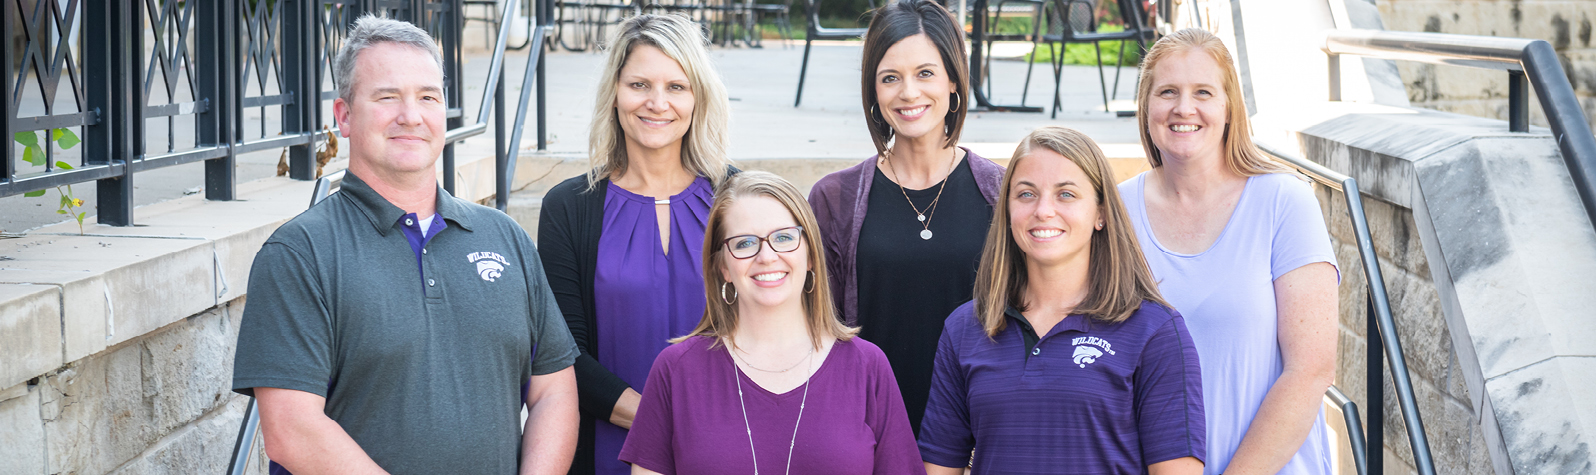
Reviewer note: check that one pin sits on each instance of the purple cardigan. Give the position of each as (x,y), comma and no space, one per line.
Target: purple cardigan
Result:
(841,200)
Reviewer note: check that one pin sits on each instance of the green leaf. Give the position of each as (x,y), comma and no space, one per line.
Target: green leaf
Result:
(66,201)
(60,211)
(62,165)
(33,155)
(66,139)
(34,193)
(80,217)
(26,139)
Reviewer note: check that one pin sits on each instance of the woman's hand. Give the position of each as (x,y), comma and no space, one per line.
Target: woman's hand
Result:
(626,409)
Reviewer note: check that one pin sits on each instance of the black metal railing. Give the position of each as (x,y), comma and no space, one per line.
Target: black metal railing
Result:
(1529,63)
(200,65)
(1383,342)
(1349,413)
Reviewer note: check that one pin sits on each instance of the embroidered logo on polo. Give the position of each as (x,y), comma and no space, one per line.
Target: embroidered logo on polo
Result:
(1089,348)
(490,265)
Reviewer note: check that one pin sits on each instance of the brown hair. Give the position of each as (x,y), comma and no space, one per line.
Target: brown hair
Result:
(892,23)
(1241,155)
(1117,272)
(720,318)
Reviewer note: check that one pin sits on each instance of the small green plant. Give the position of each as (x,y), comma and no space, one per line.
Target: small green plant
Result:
(33,153)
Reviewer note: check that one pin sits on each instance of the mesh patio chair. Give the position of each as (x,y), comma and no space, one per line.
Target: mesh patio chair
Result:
(817,32)
(1076,21)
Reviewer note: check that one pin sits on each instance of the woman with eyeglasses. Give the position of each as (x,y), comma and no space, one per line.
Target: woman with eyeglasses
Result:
(770,381)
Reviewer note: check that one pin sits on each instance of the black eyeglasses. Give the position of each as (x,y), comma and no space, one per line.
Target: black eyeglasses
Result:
(781,240)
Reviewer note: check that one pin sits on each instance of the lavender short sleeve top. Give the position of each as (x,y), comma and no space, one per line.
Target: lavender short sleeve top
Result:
(691,421)
(1227,296)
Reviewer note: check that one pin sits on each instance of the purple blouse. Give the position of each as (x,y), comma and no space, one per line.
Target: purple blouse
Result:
(643,296)
(691,421)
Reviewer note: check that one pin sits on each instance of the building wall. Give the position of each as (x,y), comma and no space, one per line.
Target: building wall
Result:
(160,403)
(1565,24)
(1456,444)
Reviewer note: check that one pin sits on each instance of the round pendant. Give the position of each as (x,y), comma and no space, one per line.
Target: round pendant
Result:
(922,218)
(925,234)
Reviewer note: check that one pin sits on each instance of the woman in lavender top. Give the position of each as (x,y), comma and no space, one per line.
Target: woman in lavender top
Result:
(620,243)
(1067,361)
(769,381)
(1238,245)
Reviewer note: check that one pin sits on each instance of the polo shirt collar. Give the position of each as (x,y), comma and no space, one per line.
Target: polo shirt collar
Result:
(1075,322)
(383,214)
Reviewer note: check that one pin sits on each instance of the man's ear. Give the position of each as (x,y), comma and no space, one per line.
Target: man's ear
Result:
(341,116)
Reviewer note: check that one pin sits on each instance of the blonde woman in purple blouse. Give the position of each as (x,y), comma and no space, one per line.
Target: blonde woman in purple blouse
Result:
(770,381)
(620,244)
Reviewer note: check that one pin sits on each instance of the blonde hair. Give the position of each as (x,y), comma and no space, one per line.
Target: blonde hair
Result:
(720,318)
(1117,272)
(704,146)
(1241,155)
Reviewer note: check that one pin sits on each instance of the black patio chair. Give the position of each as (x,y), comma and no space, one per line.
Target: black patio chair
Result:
(817,32)
(1075,21)
(1036,8)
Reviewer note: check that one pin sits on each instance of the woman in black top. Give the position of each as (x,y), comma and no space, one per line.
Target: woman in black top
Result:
(903,229)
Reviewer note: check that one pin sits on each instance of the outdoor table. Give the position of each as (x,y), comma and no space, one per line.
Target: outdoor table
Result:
(977,38)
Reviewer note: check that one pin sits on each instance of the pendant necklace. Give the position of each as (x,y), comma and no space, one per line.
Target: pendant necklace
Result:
(801,403)
(931,209)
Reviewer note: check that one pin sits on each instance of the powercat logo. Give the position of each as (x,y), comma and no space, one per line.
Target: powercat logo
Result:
(1089,348)
(490,265)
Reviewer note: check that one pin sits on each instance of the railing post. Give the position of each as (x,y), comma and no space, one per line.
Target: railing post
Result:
(125,118)
(7,159)
(453,86)
(1375,380)
(501,141)
(1335,77)
(299,32)
(1517,101)
(217,38)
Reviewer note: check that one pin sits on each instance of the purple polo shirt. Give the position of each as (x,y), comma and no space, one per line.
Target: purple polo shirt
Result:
(1087,397)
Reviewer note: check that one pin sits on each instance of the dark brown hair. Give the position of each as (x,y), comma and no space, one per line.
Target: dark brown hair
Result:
(1117,271)
(901,19)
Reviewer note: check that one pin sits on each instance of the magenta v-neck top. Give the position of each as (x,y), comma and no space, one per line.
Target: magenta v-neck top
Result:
(691,421)
(642,295)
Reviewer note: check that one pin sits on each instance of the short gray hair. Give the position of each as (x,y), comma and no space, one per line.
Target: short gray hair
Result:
(371,30)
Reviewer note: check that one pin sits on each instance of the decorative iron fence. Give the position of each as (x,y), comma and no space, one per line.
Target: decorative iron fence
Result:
(114,75)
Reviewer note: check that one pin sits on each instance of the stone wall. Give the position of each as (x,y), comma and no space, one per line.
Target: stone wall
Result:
(1456,444)
(159,403)
(1480,93)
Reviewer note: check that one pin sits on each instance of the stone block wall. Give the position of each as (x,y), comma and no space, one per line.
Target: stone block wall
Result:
(158,403)
(1566,24)
(1456,444)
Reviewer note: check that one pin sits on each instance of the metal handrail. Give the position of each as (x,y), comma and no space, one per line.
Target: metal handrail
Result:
(1528,61)
(1349,412)
(1380,321)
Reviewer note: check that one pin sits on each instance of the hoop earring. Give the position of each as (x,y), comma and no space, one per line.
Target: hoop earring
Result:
(956,103)
(729,301)
(874,111)
(809,282)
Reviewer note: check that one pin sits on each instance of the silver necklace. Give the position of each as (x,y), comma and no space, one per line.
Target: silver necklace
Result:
(789,368)
(931,209)
(801,403)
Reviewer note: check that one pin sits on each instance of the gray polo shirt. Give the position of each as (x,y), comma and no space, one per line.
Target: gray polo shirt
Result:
(423,365)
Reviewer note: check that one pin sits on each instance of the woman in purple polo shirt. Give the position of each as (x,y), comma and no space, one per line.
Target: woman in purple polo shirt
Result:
(621,243)
(770,381)
(1067,361)
(1239,246)
(903,228)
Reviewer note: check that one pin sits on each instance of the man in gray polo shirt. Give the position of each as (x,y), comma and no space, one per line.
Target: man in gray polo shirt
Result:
(393,327)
